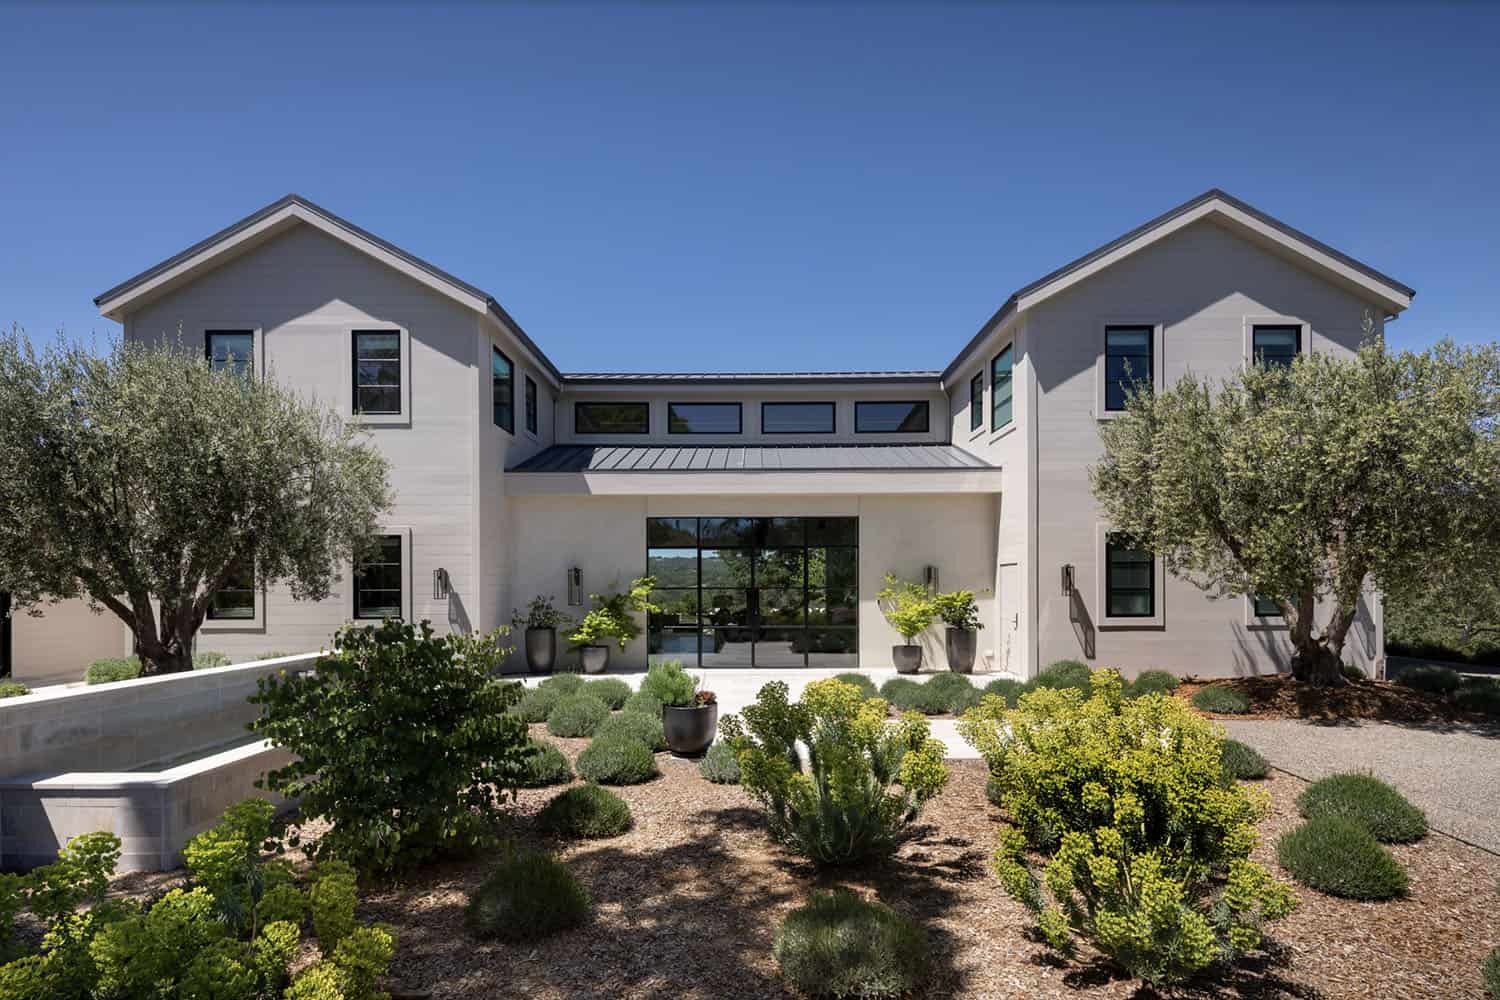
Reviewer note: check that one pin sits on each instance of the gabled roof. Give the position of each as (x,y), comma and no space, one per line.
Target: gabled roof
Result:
(1224,208)
(748,378)
(568,458)
(277,217)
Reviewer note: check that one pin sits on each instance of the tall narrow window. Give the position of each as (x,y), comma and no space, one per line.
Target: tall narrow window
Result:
(976,401)
(530,405)
(503,390)
(1129,579)
(377,371)
(233,349)
(1000,388)
(1275,346)
(1127,363)
(377,581)
(236,599)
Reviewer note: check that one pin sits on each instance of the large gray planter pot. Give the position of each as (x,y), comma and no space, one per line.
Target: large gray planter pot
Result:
(541,650)
(962,644)
(593,658)
(689,728)
(908,659)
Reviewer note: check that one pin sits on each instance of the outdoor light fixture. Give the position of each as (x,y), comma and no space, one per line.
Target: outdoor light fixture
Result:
(930,578)
(1067,579)
(575,587)
(440,584)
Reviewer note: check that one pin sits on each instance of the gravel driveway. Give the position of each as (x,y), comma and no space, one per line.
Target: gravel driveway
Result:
(1452,772)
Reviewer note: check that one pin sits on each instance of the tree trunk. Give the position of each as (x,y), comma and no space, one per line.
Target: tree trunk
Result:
(1316,664)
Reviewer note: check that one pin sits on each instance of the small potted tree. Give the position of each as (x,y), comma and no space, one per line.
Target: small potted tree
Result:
(961,616)
(688,716)
(611,620)
(540,623)
(909,608)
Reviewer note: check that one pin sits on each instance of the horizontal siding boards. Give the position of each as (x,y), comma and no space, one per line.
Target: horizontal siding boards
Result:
(807,458)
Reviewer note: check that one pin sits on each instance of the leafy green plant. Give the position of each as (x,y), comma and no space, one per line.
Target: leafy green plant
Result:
(1149,682)
(1221,700)
(866,779)
(668,683)
(535,704)
(957,609)
(861,681)
(907,606)
(1476,694)
(643,702)
(839,945)
(528,895)
(1146,844)
(403,742)
(562,683)
(1243,762)
(1490,970)
(634,725)
(902,692)
(209,659)
(610,690)
(719,765)
(953,692)
(1368,801)
(586,811)
(284,902)
(109,669)
(1430,678)
(225,859)
(1007,689)
(13,689)
(617,760)
(1338,856)
(539,614)
(1073,674)
(576,715)
(547,765)
(612,617)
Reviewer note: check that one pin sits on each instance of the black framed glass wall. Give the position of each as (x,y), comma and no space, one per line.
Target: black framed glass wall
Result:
(755,591)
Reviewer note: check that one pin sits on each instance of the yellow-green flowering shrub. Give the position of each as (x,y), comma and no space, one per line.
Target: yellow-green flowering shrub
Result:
(866,778)
(1146,841)
(333,896)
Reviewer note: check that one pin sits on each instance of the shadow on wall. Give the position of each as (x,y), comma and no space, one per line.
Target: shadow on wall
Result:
(1083,624)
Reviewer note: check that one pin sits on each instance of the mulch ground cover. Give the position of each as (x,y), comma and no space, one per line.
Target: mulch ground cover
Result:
(1278,696)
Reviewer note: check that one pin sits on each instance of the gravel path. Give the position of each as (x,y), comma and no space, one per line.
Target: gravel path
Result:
(1452,772)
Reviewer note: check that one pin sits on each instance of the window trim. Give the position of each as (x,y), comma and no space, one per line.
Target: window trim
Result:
(739,416)
(255,623)
(1156,620)
(578,404)
(1010,349)
(408,595)
(1101,333)
(1262,622)
(495,352)
(402,419)
(531,406)
(1250,322)
(255,344)
(976,402)
(926,414)
(833,414)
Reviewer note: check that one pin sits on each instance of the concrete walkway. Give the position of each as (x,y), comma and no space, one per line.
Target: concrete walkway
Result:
(1452,772)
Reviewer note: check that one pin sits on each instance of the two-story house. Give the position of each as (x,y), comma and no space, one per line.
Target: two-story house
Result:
(769,506)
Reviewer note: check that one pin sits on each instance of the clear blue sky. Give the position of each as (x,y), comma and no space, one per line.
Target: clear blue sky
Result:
(737,188)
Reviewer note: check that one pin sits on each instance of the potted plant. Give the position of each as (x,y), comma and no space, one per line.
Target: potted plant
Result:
(688,716)
(961,616)
(540,623)
(909,608)
(611,619)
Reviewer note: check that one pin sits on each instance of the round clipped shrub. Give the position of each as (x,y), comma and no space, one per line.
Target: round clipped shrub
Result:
(546,766)
(610,690)
(901,692)
(1480,695)
(720,765)
(576,715)
(617,760)
(840,945)
(1221,700)
(1491,973)
(1151,682)
(953,691)
(586,811)
(111,669)
(634,725)
(562,683)
(1368,801)
(529,895)
(1004,687)
(1430,678)
(1064,674)
(644,702)
(1338,856)
(536,703)
(865,685)
(1243,762)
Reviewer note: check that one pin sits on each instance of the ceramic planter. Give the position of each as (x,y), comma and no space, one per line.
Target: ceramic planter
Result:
(593,658)
(689,728)
(908,659)
(541,650)
(962,644)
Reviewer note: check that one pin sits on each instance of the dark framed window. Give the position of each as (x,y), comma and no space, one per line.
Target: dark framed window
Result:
(1001,390)
(377,581)
(503,390)
(377,371)
(1127,363)
(1129,579)
(703,418)
(530,405)
(976,401)
(236,599)
(796,418)
(233,349)
(1275,346)
(611,418)
(907,417)
(1266,607)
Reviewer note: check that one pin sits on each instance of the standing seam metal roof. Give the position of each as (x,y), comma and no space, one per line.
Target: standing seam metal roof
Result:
(752,458)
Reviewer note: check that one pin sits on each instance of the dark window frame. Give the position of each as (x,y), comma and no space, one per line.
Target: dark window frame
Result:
(833,414)
(1008,351)
(1111,544)
(976,401)
(739,416)
(241,364)
(1150,376)
(926,406)
(580,405)
(400,564)
(354,373)
(508,424)
(1257,355)
(1255,607)
(210,615)
(531,405)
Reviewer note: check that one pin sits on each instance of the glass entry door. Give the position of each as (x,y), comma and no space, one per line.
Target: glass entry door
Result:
(755,591)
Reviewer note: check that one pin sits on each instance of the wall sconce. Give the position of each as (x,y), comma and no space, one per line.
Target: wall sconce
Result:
(575,587)
(930,578)
(1067,579)
(440,584)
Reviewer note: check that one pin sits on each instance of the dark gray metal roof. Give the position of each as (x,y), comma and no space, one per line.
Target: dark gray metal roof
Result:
(752,458)
(731,378)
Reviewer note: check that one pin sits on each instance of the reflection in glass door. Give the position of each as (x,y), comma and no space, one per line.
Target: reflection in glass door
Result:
(755,591)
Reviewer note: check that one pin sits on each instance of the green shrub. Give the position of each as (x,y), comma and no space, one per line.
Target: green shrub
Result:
(547,766)
(1243,762)
(225,859)
(1005,687)
(403,743)
(332,899)
(865,685)
(992,791)
(576,715)
(953,692)
(1476,694)
(586,811)
(536,704)
(562,683)
(902,692)
(1352,673)
(208,659)
(1149,682)
(610,690)
(1147,844)
(720,765)
(1336,855)
(1491,972)
(668,683)
(1064,674)
(528,895)
(1430,678)
(839,945)
(13,689)
(867,778)
(617,760)
(1368,801)
(281,902)
(1221,700)
(362,957)
(646,704)
(113,668)
(635,725)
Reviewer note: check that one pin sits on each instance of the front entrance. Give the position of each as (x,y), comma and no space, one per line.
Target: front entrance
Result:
(755,591)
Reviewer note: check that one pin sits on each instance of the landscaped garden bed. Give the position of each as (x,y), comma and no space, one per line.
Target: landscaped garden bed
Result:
(1279,696)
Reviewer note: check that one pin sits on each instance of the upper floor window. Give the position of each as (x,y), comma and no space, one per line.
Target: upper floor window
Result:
(1129,579)
(891,417)
(1266,607)
(377,371)
(233,349)
(611,418)
(1275,346)
(1127,363)
(976,401)
(377,581)
(796,418)
(236,599)
(1000,388)
(703,418)
(503,390)
(530,405)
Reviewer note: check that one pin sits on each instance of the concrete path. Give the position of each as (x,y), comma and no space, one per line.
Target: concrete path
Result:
(1452,772)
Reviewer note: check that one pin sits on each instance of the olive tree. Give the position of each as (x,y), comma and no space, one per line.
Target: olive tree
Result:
(1310,484)
(143,479)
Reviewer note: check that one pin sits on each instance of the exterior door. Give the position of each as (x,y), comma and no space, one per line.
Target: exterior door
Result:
(5,635)
(1008,601)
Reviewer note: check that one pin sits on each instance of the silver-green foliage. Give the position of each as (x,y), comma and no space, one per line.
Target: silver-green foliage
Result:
(720,765)
(528,895)
(839,945)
